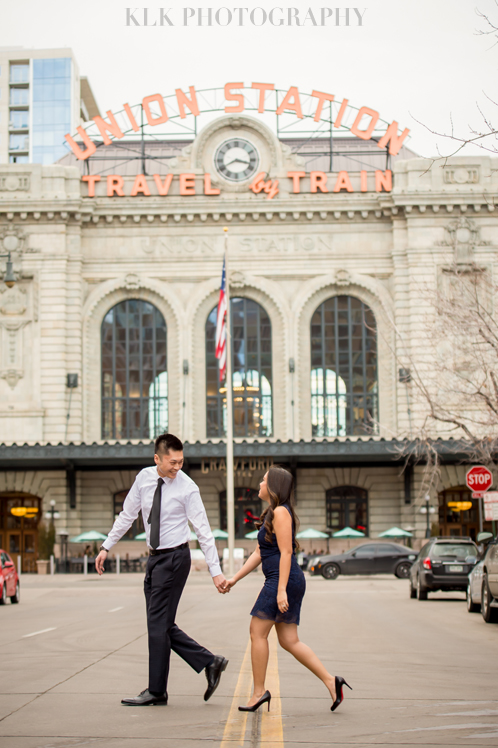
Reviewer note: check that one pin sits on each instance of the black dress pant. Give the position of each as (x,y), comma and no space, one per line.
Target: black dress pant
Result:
(165,579)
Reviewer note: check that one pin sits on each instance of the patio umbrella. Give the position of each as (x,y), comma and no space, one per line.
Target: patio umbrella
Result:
(142,536)
(348,532)
(395,532)
(311,534)
(88,537)
(193,536)
(220,534)
(252,535)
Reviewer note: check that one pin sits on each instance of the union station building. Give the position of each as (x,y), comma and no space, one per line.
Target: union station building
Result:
(108,334)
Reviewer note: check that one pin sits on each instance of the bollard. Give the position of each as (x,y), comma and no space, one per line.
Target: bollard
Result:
(52,565)
(118,564)
(19,566)
(85,564)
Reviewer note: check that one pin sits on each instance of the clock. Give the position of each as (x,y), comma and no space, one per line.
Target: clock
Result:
(236,159)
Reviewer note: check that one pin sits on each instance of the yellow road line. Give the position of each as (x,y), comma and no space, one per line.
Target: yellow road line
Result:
(235,728)
(272,732)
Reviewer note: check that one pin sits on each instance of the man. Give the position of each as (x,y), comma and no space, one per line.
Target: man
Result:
(168,498)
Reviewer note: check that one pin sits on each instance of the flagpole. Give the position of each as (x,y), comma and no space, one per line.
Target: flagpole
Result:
(229,396)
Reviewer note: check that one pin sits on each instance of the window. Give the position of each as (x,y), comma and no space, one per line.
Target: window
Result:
(19,119)
(364,551)
(19,143)
(347,506)
(248,509)
(19,73)
(134,372)
(19,96)
(251,374)
(18,159)
(137,527)
(344,397)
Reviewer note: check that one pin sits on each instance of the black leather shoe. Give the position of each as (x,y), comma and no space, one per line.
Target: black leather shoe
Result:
(213,675)
(146,698)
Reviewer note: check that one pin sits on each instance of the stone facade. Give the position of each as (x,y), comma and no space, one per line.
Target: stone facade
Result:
(77,256)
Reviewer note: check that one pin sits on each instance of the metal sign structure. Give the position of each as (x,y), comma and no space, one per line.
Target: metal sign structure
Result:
(312,120)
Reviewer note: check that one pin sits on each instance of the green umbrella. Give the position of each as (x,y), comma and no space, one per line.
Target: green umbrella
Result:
(193,536)
(88,537)
(311,534)
(395,532)
(142,536)
(220,534)
(252,535)
(348,532)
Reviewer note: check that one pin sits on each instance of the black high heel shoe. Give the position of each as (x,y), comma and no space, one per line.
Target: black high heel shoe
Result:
(266,697)
(339,696)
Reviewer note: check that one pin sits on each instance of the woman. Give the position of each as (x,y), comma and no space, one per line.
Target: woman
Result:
(279,602)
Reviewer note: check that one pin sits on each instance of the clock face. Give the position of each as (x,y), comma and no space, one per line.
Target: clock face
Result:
(236,160)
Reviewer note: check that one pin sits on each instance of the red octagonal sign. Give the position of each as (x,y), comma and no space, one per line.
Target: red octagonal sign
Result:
(479,478)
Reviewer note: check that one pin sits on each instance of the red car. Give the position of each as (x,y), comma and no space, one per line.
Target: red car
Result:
(9,580)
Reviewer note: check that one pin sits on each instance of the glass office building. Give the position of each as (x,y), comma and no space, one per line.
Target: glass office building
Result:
(51,108)
(41,100)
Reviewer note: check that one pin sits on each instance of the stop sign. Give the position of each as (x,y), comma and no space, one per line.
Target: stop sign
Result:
(479,478)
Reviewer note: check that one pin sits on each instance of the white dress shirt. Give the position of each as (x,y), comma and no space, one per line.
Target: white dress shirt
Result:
(180,503)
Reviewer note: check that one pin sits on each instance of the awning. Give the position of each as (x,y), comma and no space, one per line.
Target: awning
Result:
(136,455)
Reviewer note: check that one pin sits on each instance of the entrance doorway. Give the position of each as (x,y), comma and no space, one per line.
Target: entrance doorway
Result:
(459,523)
(19,534)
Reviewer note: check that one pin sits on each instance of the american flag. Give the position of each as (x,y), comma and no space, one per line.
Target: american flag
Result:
(221,330)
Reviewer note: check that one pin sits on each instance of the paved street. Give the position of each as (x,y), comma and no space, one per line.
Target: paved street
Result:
(423,673)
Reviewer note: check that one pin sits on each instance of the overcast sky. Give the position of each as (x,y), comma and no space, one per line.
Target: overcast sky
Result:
(410,60)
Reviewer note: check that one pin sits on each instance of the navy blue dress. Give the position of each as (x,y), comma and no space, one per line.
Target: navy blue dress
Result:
(266,606)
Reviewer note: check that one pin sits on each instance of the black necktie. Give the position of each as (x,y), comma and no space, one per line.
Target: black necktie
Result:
(155,516)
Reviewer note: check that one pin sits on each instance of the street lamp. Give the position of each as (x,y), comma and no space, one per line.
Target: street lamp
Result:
(9,278)
(52,514)
(427,510)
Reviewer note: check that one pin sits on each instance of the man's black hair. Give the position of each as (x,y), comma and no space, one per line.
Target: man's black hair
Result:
(165,442)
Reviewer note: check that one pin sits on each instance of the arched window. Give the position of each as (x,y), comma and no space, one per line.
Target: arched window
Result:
(134,372)
(252,375)
(248,508)
(347,506)
(344,392)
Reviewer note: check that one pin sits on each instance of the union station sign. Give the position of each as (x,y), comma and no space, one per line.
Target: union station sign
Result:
(236,159)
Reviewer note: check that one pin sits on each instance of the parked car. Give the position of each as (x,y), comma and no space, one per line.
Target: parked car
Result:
(443,563)
(368,558)
(474,588)
(489,587)
(9,580)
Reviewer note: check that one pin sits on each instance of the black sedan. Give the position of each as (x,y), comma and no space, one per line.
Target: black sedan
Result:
(370,558)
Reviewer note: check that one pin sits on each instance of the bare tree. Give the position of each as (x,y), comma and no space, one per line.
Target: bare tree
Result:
(454,383)
(485,138)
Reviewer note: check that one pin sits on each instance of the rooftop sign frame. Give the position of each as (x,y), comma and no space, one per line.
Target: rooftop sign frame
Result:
(314,116)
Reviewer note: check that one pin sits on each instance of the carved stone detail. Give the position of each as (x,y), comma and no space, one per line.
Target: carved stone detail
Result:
(14,182)
(237,279)
(463,235)
(132,281)
(461,175)
(342,277)
(13,301)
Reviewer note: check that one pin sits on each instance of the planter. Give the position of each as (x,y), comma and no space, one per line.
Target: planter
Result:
(43,567)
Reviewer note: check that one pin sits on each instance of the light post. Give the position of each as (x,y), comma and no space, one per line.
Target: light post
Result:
(8,278)
(427,510)
(63,535)
(52,514)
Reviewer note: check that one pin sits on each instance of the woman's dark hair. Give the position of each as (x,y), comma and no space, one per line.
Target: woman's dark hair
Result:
(280,484)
